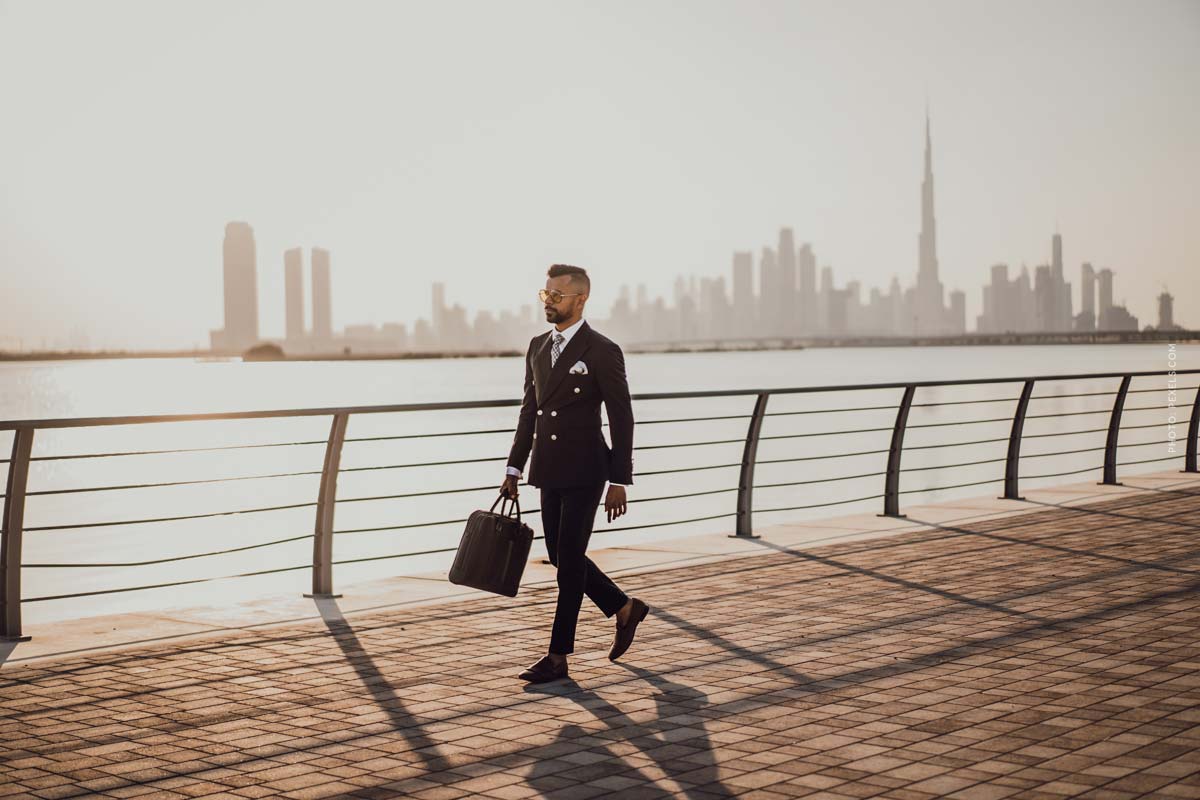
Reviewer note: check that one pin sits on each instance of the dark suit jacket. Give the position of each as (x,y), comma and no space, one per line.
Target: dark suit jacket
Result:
(560,414)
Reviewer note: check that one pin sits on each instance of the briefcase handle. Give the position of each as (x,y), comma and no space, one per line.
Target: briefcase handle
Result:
(505,498)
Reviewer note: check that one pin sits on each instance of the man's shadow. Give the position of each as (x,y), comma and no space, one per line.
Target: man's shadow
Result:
(691,760)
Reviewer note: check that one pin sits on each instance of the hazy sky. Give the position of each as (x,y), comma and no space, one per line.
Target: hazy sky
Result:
(479,142)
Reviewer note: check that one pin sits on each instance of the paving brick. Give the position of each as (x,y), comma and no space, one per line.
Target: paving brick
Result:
(1046,655)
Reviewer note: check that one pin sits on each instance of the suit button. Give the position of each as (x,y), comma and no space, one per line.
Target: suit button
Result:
(539,412)
(554,413)
(576,390)
(535,436)
(554,436)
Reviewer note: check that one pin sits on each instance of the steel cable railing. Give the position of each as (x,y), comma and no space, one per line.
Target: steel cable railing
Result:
(1063,433)
(1061,474)
(832,479)
(818,458)
(509,430)
(819,505)
(171,451)
(641,474)
(961,402)
(955,466)
(18,466)
(171,483)
(178,518)
(960,422)
(953,444)
(227,551)
(951,486)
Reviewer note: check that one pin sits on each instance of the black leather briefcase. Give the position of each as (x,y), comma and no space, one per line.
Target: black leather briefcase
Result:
(493,550)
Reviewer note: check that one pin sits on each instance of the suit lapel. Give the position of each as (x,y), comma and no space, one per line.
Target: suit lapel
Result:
(566,359)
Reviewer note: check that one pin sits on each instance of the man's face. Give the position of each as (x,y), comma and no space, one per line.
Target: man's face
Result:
(565,308)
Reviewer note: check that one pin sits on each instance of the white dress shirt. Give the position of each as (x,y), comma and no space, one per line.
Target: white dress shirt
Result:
(567,333)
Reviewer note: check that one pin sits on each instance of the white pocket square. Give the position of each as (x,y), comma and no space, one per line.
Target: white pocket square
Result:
(580,368)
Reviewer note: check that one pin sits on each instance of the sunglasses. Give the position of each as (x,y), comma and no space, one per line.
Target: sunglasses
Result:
(554,295)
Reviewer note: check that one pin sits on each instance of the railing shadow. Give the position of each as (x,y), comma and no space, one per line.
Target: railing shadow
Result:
(867,572)
(1084,510)
(678,699)
(1093,554)
(1010,523)
(377,683)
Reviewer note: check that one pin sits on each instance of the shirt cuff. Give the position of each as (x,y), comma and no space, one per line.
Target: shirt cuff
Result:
(512,471)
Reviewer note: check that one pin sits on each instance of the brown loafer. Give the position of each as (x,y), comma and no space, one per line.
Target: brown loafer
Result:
(624,636)
(544,670)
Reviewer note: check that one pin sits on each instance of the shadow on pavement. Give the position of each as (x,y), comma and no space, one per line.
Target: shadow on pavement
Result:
(379,685)
(675,741)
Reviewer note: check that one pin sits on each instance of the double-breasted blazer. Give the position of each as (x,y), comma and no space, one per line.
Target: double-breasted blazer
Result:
(559,423)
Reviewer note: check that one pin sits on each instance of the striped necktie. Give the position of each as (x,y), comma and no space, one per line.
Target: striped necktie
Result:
(556,350)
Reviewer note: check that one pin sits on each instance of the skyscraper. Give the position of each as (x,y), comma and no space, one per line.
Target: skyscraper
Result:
(1059,288)
(1166,311)
(1105,279)
(743,293)
(929,314)
(1025,306)
(957,310)
(768,290)
(322,316)
(785,295)
(1044,297)
(1086,321)
(293,290)
(1112,317)
(836,316)
(241,290)
(807,263)
(1056,259)
(438,310)
(996,303)
(823,300)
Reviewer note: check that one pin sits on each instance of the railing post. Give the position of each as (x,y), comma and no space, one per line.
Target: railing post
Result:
(1012,467)
(1189,461)
(1114,431)
(745,504)
(14,530)
(891,489)
(326,502)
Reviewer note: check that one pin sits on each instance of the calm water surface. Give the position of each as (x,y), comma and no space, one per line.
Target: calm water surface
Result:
(373,522)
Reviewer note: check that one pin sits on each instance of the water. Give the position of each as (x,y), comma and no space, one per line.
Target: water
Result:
(42,390)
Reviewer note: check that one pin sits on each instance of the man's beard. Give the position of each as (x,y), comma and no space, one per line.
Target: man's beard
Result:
(553,315)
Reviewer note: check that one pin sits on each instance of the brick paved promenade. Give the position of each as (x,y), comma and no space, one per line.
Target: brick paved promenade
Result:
(1045,655)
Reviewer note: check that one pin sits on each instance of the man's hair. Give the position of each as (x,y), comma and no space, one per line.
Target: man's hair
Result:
(578,275)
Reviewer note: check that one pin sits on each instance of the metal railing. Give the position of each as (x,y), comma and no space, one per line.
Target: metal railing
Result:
(14,527)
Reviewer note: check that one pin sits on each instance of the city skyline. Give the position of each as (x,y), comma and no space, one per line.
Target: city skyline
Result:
(689,147)
(788,303)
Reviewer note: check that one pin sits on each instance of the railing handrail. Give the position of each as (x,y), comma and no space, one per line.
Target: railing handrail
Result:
(87,422)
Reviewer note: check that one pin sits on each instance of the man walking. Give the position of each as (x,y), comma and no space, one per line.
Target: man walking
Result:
(569,371)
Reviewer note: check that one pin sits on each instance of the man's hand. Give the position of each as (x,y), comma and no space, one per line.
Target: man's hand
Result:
(614,502)
(509,487)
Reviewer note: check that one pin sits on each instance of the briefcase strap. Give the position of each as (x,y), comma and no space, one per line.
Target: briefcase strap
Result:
(503,500)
